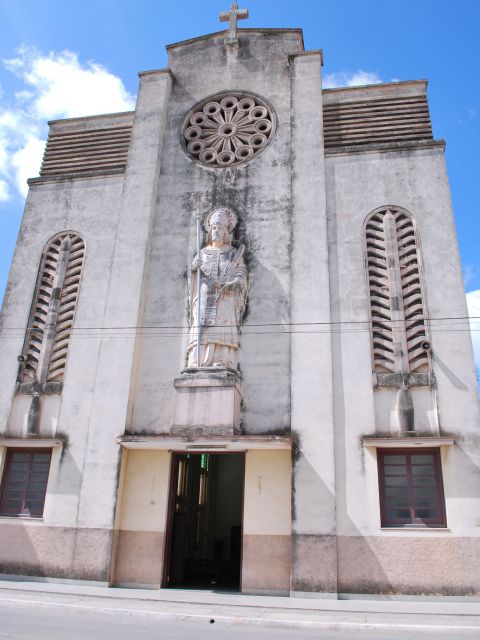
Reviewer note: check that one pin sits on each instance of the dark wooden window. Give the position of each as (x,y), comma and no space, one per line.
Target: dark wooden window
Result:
(411,488)
(24,483)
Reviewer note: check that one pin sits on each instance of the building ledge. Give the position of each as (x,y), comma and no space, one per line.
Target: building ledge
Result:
(415,529)
(82,121)
(310,52)
(397,380)
(402,88)
(31,443)
(240,32)
(381,147)
(78,175)
(156,72)
(408,442)
(44,389)
(204,444)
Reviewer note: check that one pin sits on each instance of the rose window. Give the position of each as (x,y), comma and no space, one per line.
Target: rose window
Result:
(228,129)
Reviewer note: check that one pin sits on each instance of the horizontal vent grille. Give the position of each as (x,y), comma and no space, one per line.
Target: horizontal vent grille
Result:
(396,297)
(53,309)
(91,150)
(379,121)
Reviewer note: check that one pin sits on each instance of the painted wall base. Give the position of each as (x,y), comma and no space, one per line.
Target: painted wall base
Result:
(318,595)
(11,577)
(411,564)
(56,552)
(266,564)
(139,558)
(266,592)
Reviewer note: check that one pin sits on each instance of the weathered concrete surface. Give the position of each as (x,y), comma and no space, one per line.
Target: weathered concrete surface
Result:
(112,214)
(305,352)
(417,181)
(415,565)
(139,558)
(313,481)
(314,564)
(207,403)
(60,552)
(259,193)
(141,518)
(266,565)
(266,522)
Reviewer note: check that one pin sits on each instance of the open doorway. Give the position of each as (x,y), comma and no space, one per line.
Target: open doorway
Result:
(204,536)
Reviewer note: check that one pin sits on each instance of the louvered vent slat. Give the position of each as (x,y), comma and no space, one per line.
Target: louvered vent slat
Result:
(51,320)
(66,311)
(389,322)
(92,150)
(382,120)
(380,307)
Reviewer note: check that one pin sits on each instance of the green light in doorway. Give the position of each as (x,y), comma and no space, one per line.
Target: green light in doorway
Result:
(204,461)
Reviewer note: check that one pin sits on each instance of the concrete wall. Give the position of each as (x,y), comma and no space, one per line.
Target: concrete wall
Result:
(141,517)
(112,214)
(50,208)
(301,218)
(266,522)
(260,193)
(313,482)
(372,559)
(42,548)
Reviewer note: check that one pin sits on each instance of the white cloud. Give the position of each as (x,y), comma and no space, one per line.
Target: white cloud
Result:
(4,157)
(470,273)
(466,116)
(473,304)
(60,87)
(56,85)
(26,162)
(350,79)
(4,191)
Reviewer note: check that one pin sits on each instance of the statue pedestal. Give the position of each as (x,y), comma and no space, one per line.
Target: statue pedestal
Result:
(207,402)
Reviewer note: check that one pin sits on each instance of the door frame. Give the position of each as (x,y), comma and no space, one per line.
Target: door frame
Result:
(173,481)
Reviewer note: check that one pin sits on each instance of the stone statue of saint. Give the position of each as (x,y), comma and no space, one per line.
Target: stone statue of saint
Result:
(223,293)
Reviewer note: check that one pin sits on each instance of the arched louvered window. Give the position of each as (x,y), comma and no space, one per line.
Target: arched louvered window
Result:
(53,309)
(396,296)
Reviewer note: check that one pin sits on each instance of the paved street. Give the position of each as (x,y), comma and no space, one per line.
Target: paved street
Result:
(47,622)
(51,611)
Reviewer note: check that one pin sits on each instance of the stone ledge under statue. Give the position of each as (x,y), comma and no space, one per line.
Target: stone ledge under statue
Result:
(209,392)
(207,402)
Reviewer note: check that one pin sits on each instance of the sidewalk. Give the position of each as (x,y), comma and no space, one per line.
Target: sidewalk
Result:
(189,605)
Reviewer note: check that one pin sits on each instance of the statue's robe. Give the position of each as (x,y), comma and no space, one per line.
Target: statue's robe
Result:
(220,312)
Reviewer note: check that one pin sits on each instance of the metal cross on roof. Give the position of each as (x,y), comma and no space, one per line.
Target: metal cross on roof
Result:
(233,16)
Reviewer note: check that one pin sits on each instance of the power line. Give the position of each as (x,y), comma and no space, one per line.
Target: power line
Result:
(426,321)
(182,334)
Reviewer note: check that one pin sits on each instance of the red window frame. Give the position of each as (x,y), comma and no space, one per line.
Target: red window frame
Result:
(411,488)
(25,482)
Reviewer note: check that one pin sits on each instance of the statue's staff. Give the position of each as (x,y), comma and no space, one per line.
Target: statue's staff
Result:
(196,206)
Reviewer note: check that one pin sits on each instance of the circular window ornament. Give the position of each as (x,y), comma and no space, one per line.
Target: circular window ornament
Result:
(227,129)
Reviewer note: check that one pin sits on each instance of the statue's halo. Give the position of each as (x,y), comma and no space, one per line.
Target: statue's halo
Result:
(228,214)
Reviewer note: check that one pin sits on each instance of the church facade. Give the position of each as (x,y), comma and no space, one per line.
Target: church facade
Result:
(230,345)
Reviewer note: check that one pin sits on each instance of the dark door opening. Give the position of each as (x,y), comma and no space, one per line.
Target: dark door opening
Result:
(205,521)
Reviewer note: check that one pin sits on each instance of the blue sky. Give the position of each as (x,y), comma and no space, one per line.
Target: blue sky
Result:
(62,59)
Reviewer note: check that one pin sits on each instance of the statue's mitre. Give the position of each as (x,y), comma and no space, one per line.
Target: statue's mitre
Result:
(224,212)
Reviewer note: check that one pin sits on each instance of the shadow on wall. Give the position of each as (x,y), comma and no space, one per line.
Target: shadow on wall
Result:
(453,379)
(265,355)
(409,562)
(34,548)
(55,552)
(327,563)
